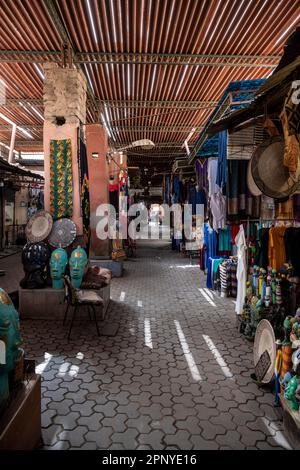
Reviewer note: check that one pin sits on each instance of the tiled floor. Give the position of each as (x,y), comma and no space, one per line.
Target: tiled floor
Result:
(176,375)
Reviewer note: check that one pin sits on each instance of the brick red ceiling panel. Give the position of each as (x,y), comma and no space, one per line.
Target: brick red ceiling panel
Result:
(211,27)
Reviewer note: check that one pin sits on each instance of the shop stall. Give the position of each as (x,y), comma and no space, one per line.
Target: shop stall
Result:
(21,195)
(252,230)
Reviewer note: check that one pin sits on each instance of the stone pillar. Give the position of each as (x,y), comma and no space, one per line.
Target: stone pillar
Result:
(64,111)
(97,147)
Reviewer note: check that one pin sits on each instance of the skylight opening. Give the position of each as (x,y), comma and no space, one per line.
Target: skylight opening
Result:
(39,71)
(182,79)
(287,30)
(89,78)
(92,21)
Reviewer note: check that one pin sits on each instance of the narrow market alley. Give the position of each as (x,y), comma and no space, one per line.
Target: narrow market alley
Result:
(175,375)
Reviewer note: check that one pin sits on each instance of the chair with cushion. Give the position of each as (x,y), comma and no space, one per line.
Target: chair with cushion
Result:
(77,298)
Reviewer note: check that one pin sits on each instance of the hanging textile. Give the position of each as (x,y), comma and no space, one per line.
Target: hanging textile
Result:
(114,196)
(242,182)
(277,255)
(233,187)
(228,279)
(225,240)
(197,198)
(167,190)
(212,169)
(201,167)
(241,273)
(210,242)
(177,190)
(218,209)
(61,179)
(222,172)
(84,189)
(262,254)
(267,211)
(284,210)
(237,187)
(212,271)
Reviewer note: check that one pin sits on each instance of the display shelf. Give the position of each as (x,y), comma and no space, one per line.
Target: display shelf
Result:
(20,424)
(291,423)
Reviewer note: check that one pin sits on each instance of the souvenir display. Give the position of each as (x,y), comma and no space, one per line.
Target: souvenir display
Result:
(78,262)
(35,257)
(61,179)
(58,263)
(11,355)
(39,227)
(63,233)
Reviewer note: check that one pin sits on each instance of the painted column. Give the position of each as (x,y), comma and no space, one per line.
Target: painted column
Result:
(64,112)
(97,147)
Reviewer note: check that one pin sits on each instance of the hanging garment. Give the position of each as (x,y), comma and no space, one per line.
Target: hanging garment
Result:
(262,254)
(225,240)
(241,274)
(177,190)
(218,209)
(228,278)
(212,269)
(256,204)
(237,187)
(202,258)
(114,198)
(249,204)
(197,198)
(224,278)
(201,167)
(242,184)
(284,210)
(222,173)
(277,256)
(233,187)
(292,244)
(212,169)
(61,179)
(210,243)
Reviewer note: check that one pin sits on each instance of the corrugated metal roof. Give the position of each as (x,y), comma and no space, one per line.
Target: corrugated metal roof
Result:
(216,28)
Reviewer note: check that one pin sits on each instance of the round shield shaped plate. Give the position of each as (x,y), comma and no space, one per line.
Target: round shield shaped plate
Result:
(268,171)
(265,341)
(252,186)
(63,233)
(39,226)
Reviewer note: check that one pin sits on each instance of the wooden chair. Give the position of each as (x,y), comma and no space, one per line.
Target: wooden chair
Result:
(77,298)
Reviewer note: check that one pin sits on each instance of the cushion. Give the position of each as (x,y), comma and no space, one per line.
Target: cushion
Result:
(88,296)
